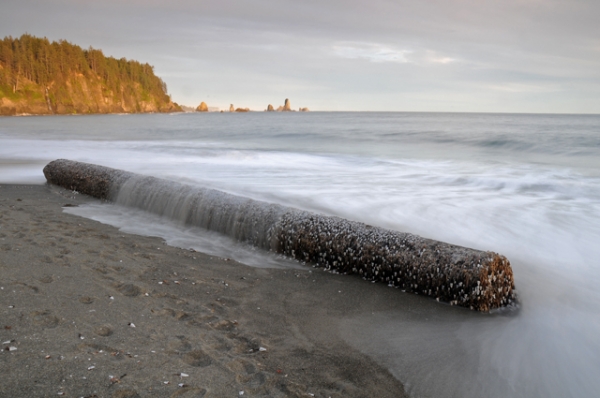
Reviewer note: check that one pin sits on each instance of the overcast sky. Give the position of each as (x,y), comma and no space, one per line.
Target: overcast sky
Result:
(389,55)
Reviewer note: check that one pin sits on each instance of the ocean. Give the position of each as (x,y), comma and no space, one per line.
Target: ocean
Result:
(525,186)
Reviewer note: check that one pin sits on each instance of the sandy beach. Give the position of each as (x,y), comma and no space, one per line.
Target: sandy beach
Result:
(89,311)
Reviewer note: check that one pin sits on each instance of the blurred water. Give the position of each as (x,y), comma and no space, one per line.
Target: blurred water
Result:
(135,221)
(526,186)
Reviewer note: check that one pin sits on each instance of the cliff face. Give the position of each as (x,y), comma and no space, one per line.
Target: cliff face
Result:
(80,95)
(41,78)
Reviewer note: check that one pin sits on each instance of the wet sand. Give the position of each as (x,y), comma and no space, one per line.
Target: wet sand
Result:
(89,311)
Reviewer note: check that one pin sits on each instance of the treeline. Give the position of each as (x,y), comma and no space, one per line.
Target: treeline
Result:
(53,66)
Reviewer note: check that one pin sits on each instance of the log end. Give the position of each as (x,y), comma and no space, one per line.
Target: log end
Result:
(495,287)
(86,178)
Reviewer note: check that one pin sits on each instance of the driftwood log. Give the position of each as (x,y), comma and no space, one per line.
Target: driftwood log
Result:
(457,275)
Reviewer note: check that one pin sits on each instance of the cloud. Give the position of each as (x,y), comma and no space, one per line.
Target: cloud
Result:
(429,57)
(511,87)
(372,52)
(441,60)
(378,53)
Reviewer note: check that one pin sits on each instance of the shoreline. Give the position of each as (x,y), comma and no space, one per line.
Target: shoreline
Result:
(93,114)
(88,309)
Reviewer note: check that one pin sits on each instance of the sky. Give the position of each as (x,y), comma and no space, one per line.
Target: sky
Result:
(527,56)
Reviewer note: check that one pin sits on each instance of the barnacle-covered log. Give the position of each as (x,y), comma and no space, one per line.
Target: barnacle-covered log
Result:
(90,179)
(458,275)
(461,276)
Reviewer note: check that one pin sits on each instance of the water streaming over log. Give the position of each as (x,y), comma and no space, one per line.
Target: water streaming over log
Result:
(461,276)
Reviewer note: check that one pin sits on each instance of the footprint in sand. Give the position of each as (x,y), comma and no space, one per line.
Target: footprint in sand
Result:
(248,375)
(253,382)
(181,315)
(129,289)
(47,279)
(247,345)
(125,393)
(222,344)
(177,314)
(104,330)
(187,392)
(33,288)
(86,300)
(224,325)
(197,358)
(241,366)
(44,319)
(179,345)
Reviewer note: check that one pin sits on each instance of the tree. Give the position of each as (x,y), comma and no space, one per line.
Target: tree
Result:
(51,65)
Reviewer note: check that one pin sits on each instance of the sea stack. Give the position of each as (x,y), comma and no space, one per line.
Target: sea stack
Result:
(303,109)
(270,108)
(202,107)
(286,106)
(231,108)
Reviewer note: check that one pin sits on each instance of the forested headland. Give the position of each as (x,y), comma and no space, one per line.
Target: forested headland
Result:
(42,77)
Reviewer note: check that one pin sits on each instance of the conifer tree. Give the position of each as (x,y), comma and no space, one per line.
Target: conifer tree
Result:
(29,60)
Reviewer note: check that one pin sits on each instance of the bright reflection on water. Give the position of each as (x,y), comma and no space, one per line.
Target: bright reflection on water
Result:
(525,186)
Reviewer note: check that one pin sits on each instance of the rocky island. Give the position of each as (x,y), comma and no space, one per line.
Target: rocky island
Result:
(40,77)
(287,107)
(202,107)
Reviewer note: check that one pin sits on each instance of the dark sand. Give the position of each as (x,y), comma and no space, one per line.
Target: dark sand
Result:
(73,290)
